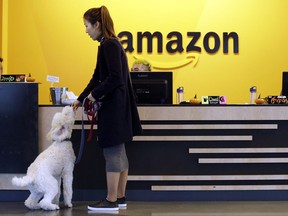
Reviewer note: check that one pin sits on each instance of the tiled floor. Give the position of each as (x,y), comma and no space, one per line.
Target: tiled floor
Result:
(232,208)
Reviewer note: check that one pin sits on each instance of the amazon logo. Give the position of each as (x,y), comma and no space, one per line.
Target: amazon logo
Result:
(211,43)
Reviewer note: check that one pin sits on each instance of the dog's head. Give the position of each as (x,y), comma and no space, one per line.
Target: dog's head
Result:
(62,125)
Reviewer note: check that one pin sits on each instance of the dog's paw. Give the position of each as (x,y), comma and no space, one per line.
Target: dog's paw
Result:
(52,207)
(49,206)
(69,205)
(32,205)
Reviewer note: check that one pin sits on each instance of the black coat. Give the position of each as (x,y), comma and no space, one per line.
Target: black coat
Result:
(118,118)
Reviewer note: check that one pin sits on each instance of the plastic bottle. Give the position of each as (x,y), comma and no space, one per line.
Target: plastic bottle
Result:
(180,94)
(253,93)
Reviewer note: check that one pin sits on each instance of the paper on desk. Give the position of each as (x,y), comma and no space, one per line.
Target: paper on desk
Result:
(71,95)
(69,98)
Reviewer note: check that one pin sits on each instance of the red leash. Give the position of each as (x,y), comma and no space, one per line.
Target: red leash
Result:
(90,109)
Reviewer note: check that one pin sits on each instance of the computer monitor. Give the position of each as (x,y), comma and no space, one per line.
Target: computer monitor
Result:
(153,87)
(285,83)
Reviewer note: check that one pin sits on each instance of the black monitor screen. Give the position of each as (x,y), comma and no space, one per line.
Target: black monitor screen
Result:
(285,83)
(152,87)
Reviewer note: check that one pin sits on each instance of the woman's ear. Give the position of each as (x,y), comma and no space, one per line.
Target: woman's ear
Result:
(97,25)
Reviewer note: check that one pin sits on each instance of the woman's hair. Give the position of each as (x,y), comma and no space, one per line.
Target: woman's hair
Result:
(1,59)
(101,15)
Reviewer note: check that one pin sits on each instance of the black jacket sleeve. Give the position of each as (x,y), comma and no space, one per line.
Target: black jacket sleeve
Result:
(110,64)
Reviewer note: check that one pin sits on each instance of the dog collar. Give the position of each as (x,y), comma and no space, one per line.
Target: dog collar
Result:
(67,139)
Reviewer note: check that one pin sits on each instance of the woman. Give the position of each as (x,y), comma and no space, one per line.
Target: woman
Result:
(118,119)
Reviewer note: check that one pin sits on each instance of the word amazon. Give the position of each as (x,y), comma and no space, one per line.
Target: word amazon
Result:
(211,42)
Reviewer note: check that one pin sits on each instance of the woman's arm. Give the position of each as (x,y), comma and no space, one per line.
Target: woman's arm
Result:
(113,63)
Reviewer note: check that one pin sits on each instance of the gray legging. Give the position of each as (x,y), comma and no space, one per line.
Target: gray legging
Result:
(116,158)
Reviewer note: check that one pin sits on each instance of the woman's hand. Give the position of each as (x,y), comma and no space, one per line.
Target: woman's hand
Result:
(75,105)
(91,98)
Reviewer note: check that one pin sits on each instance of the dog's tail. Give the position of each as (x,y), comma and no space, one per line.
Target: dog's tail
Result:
(21,181)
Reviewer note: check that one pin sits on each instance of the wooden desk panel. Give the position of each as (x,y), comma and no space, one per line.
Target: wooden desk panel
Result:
(234,152)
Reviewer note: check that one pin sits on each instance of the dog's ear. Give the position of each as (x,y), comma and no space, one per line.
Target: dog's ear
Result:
(58,133)
(61,125)
(59,129)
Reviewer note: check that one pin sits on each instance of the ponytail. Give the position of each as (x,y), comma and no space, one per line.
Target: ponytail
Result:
(101,15)
(107,24)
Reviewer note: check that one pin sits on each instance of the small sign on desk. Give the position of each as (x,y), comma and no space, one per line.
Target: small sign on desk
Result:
(277,99)
(214,100)
(12,78)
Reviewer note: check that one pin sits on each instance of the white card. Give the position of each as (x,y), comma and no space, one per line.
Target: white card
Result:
(52,79)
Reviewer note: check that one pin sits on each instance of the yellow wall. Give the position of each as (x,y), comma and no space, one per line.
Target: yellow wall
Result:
(48,38)
(1,27)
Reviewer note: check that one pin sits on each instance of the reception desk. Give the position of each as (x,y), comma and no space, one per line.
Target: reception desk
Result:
(224,152)
(18,126)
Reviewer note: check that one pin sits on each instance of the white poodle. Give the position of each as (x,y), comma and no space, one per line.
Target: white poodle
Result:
(56,163)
